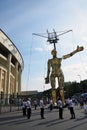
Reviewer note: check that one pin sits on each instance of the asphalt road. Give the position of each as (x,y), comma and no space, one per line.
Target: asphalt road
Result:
(15,120)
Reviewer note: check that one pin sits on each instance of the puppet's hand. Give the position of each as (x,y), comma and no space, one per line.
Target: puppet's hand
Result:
(81,48)
(46,80)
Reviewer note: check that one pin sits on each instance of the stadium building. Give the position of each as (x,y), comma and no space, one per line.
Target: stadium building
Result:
(11,66)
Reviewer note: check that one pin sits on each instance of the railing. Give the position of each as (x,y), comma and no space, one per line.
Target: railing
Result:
(9,103)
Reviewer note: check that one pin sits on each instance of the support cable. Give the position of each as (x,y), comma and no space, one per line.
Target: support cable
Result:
(29,65)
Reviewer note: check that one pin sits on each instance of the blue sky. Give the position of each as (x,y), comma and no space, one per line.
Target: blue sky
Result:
(20,18)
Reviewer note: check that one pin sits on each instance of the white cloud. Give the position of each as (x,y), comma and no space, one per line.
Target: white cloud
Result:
(39,49)
(72,71)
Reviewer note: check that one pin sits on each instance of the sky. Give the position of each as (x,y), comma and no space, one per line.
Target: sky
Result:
(19,19)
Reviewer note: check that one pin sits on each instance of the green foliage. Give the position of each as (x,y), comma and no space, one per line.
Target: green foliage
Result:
(70,88)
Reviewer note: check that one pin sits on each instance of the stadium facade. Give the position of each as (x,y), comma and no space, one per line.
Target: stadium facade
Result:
(11,67)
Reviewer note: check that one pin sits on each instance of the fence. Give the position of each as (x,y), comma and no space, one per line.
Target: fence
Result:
(9,103)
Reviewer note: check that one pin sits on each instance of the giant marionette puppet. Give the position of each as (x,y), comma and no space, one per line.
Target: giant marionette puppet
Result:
(54,68)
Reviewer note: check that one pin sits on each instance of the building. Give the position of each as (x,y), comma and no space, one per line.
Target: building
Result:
(27,93)
(11,66)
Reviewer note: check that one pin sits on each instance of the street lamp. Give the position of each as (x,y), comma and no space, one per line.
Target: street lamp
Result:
(79,77)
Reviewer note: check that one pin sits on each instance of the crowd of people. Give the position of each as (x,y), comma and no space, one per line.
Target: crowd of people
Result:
(69,103)
(26,107)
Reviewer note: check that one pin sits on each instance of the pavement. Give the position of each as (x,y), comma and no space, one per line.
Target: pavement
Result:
(16,121)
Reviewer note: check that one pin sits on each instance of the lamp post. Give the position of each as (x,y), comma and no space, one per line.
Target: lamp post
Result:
(81,86)
(79,77)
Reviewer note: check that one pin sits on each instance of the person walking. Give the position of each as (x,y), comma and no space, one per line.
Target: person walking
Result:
(28,104)
(24,107)
(35,104)
(85,108)
(42,109)
(51,104)
(71,108)
(60,106)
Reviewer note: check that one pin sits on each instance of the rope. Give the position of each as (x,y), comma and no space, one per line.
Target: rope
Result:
(29,65)
(72,42)
(45,64)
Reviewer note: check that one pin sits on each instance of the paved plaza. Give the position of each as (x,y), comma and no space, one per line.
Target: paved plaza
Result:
(15,120)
